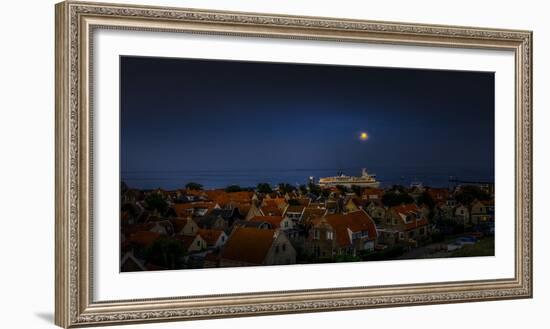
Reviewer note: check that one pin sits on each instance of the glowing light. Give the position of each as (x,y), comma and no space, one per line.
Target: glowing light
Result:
(363,136)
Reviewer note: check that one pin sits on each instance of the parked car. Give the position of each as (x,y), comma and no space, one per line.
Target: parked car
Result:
(454,246)
(466,240)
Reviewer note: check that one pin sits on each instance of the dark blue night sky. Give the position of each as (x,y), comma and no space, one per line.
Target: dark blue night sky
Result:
(230,122)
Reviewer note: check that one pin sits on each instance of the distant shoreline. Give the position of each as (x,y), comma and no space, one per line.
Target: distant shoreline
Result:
(215,179)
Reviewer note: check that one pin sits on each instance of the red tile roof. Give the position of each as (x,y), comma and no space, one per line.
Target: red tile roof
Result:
(212,194)
(233,197)
(373,193)
(194,192)
(248,245)
(317,221)
(275,202)
(244,208)
(304,201)
(280,202)
(357,221)
(414,224)
(222,197)
(271,211)
(311,213)
(179,223)
(405,210)
(438,194)
(144,238)
(210,236)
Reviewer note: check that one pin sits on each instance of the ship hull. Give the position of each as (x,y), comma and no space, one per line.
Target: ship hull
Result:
(349,184)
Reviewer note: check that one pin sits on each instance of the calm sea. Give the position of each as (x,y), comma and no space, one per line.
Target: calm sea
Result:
(251,177)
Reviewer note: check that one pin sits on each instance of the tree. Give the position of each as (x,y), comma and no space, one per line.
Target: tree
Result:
(193,186)
(391,198)
(233,188)
(285,188)
(469,193)
(156,201)
(398,188)
(165,252)
(356,189)
(293,202)
(426,198)
(303,189)
(343,189)
(314,189)
(264,188)
(130,209)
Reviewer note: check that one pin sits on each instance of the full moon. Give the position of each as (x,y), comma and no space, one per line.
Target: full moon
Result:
(363,136)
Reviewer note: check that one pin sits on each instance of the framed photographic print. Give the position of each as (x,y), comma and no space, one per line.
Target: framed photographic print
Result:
(218,164)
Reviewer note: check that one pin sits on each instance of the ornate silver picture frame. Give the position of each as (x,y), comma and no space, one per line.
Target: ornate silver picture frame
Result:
(76,22)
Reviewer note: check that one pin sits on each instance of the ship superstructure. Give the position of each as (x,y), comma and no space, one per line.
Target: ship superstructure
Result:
(365,180)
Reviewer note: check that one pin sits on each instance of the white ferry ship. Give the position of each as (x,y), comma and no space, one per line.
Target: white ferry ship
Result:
(365,180)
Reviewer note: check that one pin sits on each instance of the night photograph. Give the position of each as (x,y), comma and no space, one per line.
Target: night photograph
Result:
(231,163)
